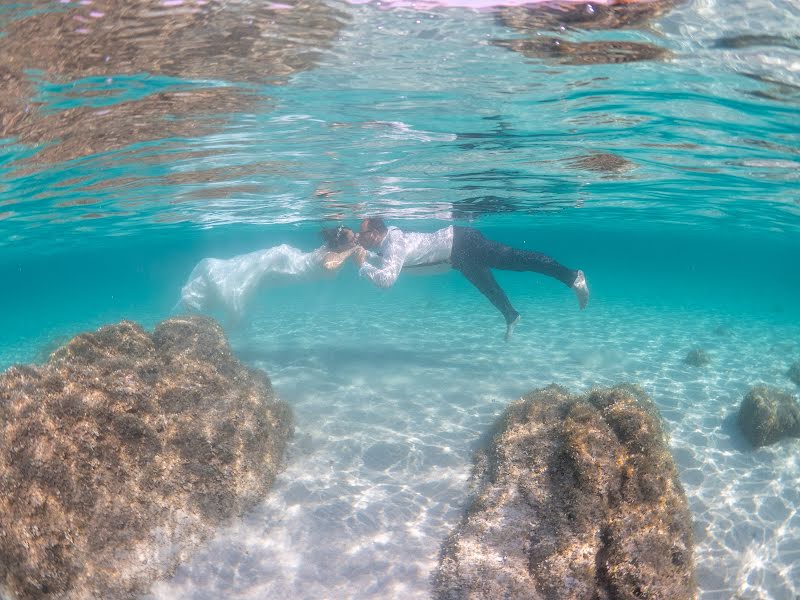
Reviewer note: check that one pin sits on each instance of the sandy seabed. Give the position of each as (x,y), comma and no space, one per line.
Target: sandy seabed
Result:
(389,409)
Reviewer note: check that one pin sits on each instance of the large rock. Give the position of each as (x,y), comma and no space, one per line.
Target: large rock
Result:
(577,498)
(794,372)
(123,451)
(768,415)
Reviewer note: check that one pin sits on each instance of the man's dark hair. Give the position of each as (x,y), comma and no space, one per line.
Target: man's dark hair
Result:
(376,224)
(336,238)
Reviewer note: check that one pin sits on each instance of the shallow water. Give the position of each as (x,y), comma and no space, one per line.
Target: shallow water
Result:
(672,182)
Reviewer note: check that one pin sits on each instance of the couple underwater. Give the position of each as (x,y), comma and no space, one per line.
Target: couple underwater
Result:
(381,253)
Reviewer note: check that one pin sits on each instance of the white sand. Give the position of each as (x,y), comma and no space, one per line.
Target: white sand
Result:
(389,409)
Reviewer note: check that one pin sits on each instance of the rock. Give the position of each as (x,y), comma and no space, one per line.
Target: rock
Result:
(576,498)
(697,358)
(125,450)
(768,415)
(794,372)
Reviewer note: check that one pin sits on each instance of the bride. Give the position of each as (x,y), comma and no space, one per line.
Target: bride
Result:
(229,284)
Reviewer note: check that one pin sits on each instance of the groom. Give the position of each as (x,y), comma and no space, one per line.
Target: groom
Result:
(464,249)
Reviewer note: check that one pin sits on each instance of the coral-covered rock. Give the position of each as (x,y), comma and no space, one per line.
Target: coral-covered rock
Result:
(768,415)
(123,451)
(576,498)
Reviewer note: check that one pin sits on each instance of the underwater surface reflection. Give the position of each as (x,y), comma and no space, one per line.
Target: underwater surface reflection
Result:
(145,453)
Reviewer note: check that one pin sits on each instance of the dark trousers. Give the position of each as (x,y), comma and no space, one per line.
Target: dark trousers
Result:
(475,256)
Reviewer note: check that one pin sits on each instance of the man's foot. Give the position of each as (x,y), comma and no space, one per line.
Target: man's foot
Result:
(581,289)
(510,327)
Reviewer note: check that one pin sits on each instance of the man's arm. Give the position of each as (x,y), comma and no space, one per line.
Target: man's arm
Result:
(392,261)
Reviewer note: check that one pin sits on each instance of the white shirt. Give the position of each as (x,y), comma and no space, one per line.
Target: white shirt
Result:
(403,249)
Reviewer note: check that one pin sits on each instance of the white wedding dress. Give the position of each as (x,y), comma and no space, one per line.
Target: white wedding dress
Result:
(230,284)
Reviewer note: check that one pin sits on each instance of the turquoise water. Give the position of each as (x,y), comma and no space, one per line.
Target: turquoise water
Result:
(117,176)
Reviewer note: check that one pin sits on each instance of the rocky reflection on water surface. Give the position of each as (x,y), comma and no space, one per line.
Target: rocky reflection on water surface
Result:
(584,53)
(84,130)
(565,17)
(228,41)
(605,163)
(586,16)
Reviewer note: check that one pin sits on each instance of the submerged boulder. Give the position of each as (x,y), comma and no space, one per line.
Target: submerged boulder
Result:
(123,451)
(576,498)
(768,415)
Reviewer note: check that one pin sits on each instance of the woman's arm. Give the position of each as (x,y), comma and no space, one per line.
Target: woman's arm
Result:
(334,260)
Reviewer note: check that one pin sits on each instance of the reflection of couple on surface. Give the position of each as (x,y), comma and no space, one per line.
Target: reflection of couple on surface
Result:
(381,254)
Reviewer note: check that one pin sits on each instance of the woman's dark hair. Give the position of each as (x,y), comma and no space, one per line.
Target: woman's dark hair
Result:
(336,238)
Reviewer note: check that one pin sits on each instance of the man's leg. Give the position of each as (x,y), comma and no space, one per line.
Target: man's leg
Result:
(500,256)
(506,258)
(482,278)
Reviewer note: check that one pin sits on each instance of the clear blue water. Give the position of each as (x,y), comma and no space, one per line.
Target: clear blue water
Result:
(117,176)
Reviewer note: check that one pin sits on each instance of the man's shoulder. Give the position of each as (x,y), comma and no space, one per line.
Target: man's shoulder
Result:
(395,233)
(393,241)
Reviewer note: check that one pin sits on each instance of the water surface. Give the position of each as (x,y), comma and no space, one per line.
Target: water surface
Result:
(659,153)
